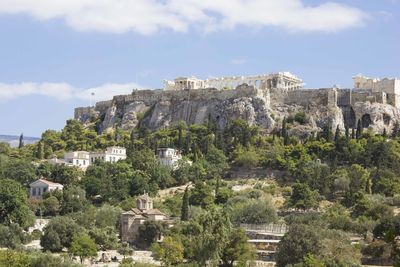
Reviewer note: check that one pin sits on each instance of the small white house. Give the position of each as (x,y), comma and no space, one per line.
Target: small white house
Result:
(169,157)
(112,154)
(41,186)
(77,158)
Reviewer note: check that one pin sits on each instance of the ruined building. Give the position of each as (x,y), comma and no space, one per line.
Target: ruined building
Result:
(261,100)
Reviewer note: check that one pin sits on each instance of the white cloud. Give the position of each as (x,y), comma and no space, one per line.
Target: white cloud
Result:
(150,16)
(64,91)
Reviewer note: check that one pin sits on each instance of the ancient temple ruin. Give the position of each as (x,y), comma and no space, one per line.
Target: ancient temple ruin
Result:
(281,80)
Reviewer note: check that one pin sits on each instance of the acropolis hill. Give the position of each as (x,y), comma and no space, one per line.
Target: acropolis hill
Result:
(262,100)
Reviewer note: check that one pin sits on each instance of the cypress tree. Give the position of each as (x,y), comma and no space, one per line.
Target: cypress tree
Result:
(359,129)
(347,134)
(188,143)
(21,141)
(217,184)
(353,135)
(40,150)
(328,132)
(337,137)
(395,131)
(384,132)
(284,132)
(185,205)
(180,138)
(337,134)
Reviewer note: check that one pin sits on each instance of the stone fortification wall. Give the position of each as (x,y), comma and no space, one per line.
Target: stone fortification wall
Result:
(310,97)
(82,112)
(102,106)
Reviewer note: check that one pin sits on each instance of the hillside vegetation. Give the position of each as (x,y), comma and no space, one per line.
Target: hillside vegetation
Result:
(331,186)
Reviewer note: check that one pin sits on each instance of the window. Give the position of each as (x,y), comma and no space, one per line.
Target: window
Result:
(84,162)
(77,162)
(33,191)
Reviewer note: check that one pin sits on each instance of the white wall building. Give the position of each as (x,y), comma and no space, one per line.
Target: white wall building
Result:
(41,186)
(112,154)
(83,159)
(77,158)
(169,157)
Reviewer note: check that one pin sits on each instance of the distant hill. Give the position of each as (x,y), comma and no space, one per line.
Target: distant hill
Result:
(13,140)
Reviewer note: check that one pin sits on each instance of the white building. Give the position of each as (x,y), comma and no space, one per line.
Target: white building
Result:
(41,186)
(77,158)
(83,159)
(169,157)
(112,154)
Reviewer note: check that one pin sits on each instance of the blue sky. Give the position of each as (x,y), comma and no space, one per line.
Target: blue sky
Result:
(54,52)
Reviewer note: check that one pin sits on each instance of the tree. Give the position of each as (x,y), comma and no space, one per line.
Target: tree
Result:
(359,129)
(185,206)
(347,133)
(212,235)
(13,204)
(51,206)
(12,236)
(21,171)
(83,246)
(21,141)
(237,250)
(337,134)
(169,252)
(300,241)
(201,195)
(284,132)
(74,199)
(125,250)
(303,197)
(58,234)
(256,211)
(149,232)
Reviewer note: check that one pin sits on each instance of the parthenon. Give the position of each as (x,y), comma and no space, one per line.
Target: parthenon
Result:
(281,80)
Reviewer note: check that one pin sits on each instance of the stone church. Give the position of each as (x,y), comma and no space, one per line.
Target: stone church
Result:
(131,220)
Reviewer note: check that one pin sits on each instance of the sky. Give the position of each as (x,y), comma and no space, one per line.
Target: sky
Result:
(54,53)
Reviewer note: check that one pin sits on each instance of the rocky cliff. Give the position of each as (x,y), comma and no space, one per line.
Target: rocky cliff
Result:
(156,109)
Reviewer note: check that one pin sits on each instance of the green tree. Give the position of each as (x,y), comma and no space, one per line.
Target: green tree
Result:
(284,132)
(169,252)
(149,232)
(21,141)
(238,252)
(51,206)
(13,204)
(58,234)
(83,246)
(201,195)
(303,197)
(359,129)
(185,206)
(300,241)
(125,250)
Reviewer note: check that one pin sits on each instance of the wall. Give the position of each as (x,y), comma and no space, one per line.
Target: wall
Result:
(309,97)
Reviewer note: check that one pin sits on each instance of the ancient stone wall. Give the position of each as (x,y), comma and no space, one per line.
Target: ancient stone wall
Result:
(309,97)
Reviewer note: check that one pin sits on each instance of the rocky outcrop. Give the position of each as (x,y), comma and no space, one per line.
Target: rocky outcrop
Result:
(156,109)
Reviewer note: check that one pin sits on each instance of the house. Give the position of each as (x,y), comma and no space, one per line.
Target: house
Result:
(131,220)
(77,158)
(41,186)
(169,157)
(83,159)
(111,154)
